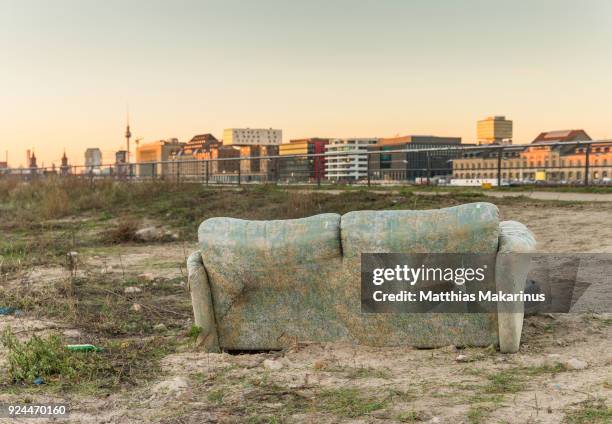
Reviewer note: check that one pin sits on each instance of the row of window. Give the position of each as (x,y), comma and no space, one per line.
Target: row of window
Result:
(520,175)
(532,164)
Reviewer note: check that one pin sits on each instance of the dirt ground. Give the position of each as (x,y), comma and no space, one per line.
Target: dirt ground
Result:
(563,372)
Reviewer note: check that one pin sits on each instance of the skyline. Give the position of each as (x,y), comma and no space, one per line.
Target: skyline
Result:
(341,69)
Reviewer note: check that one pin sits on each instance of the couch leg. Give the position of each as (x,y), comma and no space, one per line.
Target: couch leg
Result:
(511,271)
(201,299)
(510,328)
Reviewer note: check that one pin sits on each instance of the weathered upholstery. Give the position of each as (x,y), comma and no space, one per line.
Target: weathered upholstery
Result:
(267,284)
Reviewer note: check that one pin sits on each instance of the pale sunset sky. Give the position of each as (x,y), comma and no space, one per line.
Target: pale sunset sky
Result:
(310,67)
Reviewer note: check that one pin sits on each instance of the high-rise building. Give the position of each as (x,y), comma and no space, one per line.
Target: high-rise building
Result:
(252,137)
(347,158)
(93,159)
(494,130)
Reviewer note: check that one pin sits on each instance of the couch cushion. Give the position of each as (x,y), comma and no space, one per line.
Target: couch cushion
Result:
(270,279)
(469,228)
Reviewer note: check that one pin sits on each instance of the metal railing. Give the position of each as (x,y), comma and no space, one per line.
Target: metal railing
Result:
(566,163)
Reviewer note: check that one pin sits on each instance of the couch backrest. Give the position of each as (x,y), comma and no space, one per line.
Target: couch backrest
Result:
(275,282)
(268,278)
(469,228)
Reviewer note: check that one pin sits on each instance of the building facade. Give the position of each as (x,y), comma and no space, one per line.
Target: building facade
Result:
(159,151)
(93,160)
(494,130)
(347,158)
(206,158)
(538,161)
(413,165)
(252,137)
(302,168)
(187,161)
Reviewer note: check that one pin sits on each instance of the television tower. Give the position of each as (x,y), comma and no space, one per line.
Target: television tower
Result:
(128,134)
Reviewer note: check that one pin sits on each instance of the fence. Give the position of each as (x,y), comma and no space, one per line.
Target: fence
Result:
(566,163)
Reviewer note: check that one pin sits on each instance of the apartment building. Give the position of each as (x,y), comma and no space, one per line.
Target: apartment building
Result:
(347,158)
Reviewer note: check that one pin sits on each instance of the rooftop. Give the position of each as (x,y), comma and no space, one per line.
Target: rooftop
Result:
(562,135)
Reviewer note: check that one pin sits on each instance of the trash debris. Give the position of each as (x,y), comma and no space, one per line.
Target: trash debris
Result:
(84,348)
(136,307)
(132,289)
(272,365)
(462,358)
(7,310)
(146,276)
(38,381)
(576,364)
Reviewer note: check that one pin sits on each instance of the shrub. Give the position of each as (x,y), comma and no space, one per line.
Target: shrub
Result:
(38,357)
(123,232)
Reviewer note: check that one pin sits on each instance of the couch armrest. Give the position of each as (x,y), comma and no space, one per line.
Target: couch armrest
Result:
(201,299)
(511,269)
(514,237)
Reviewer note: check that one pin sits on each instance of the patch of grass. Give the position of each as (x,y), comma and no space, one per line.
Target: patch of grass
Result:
(216,396)
(504,382)
(347,402)
(412,417)
(591,412)
(44,358)
(512,380)
(478,414)
(544,369)
(360,372)
(120,363)
(263,419)
(194,332)
(368,372)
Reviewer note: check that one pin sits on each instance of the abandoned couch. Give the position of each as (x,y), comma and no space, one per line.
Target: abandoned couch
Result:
(259,285)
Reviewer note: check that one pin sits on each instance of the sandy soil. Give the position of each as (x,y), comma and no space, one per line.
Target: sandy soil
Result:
(438,386)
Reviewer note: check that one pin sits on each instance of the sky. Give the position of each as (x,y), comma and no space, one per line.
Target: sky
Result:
(326,68)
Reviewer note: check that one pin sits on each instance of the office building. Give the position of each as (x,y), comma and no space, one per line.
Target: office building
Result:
(149,156)
(414,162)
(93,160)
(494,130)
(302,167)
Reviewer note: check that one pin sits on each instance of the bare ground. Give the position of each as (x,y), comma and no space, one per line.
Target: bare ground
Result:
(331,383)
